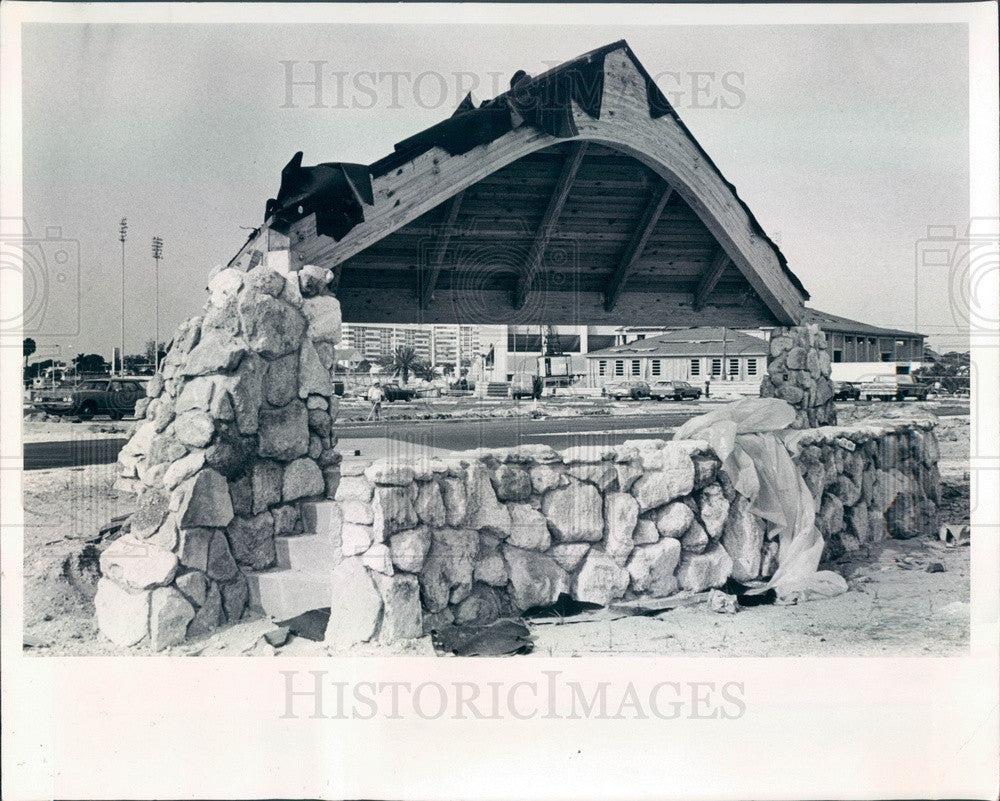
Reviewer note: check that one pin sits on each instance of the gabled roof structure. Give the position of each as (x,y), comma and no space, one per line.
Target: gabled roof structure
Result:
(576,197)
(832,322)
(705,341)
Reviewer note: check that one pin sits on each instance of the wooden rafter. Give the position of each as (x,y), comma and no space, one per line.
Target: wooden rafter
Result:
(431,178)
(440,247)
(549,219)
(710,278)
(650,216)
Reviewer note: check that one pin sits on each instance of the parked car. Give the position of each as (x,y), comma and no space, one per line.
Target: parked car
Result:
(115,397)
(525,385)
(894,387)
(678,390)
(394,392)
(846,390)
(634,390)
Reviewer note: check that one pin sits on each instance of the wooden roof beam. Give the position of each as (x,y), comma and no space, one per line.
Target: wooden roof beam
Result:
(710,278)
(440,247)
(650,216)
(549,219)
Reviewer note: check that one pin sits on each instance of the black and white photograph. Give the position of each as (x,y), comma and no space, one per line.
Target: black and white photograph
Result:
(559,345)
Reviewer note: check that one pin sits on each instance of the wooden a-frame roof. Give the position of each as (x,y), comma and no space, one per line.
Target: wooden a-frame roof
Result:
(576,197)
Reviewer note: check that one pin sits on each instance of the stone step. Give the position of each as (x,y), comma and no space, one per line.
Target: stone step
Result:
(307,553)
(321,517)
(284,593)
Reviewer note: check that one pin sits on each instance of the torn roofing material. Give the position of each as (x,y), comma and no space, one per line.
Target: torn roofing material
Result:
(336,192)
(544,102)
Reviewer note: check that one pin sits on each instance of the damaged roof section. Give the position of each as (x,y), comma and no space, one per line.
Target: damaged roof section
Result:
(587,160)
(544,102)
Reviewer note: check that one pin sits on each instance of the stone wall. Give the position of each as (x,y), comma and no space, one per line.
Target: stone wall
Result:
(491,533)
(798,371)
(237,433)
(236,430)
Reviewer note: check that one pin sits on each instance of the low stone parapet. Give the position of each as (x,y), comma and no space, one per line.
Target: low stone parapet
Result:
(498,532)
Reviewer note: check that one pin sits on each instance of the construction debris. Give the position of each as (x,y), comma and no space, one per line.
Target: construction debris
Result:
(722,603)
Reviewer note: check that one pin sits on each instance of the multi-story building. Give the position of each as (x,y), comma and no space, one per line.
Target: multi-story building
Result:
(440,345)
(497,352)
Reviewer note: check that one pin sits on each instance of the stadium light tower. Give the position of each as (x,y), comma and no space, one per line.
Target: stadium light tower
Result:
(157,255)
(122,234)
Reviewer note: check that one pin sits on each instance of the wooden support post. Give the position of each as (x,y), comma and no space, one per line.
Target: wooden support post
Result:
(549,219)
(710,278)
(650,216)
(440,247)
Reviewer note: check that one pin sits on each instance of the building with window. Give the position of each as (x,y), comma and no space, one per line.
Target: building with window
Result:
(692,354)
(435,344)
(848,340)
(854,341)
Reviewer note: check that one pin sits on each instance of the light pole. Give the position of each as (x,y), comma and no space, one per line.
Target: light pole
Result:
(157,255)
(122,233)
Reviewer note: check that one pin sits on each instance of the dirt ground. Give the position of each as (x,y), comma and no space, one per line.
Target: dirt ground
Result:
(894,606)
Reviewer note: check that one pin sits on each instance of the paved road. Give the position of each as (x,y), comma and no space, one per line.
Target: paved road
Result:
(71,453)
(447,434)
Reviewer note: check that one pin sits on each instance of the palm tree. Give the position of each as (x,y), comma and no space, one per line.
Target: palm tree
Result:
(426,371)
(402,362)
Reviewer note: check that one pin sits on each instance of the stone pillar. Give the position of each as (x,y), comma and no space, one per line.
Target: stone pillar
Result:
(236,430)
(798,371)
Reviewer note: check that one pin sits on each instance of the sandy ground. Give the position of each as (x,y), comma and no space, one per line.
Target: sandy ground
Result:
(894,607)
(66,429)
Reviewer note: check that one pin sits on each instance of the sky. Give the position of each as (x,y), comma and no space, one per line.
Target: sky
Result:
(846,141)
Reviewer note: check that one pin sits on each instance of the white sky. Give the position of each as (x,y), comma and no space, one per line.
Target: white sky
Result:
(847,142)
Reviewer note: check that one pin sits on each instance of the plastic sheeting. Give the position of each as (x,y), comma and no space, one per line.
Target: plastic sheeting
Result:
(745,436)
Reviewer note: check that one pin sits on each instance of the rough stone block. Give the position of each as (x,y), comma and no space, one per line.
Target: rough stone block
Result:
(402,617)
(621,514)
(574,513)
(535,579)
(122,616)
(203,501)
(449,565)
(302,479)
(137,565)
(703,571)
(284,432)
(651,568)
(669,475)
(600,580)
(169,616)
(252,540)
(409,548)
(528,528)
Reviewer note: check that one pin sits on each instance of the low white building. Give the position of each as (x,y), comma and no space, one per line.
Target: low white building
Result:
(692,354)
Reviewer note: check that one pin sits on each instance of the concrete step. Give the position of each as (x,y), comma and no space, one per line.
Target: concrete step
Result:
(307,553)
(321,517)
(282,593)
(497,389)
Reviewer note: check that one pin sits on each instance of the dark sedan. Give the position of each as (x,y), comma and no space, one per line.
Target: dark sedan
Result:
(632,390)
(115,397)
(845,391)
(394,392)
(678,390)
